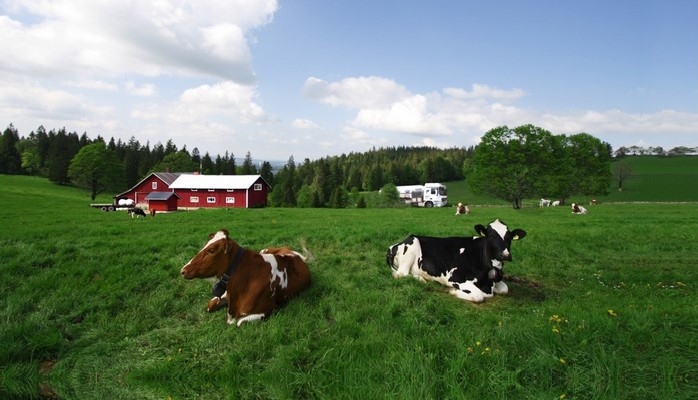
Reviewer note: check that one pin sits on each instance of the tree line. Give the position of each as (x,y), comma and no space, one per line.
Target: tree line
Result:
(509,164)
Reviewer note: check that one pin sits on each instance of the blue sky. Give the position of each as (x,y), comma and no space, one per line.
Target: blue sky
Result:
(312,78)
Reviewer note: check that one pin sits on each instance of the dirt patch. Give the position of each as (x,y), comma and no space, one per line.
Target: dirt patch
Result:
(526,287)
(45,389)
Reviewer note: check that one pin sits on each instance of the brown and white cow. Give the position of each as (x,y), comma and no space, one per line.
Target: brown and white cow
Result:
(219,300)
(253,282)
(577,209)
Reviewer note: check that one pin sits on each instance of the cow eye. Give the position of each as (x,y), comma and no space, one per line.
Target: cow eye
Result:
(211,251)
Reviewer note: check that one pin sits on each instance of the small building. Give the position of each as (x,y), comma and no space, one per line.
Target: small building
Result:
(154,182)
(220,191)
(162,201)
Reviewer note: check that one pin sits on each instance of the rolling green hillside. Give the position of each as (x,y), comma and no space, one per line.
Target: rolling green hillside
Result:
(654,179)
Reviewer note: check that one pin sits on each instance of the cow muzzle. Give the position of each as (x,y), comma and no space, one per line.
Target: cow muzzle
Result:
(504,256)
(186,273)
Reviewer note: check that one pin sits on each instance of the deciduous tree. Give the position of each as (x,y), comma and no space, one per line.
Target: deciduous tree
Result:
(96,169)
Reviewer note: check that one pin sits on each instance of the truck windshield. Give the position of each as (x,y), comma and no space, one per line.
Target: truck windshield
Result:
(442,191)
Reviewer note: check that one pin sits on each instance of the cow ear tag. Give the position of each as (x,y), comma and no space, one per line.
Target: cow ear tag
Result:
(518,234)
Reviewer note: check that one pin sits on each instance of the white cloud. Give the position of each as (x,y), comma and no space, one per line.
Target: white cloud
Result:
(91,84)
(300,123)
(480,91)
(362,92)
(204,38)
(146,90)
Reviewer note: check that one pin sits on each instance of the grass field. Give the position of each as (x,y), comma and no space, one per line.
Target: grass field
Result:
(655,179)
(602,306)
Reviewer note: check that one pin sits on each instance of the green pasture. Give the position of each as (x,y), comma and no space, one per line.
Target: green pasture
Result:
(654,179)
(601,306)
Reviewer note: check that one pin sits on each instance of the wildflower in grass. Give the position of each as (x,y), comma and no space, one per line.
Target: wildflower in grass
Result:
(563,396)
(555,330)
(562,361)
(612,313)
(478,343)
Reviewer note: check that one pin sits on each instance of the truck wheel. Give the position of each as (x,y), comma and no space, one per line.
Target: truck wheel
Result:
(428,204)
(111,208)
(103,209)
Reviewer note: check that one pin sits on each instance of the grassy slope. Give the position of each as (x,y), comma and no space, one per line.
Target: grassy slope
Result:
(658,179)
(98,296)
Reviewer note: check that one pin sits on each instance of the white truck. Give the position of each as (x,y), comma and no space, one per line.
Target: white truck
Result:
(427,195)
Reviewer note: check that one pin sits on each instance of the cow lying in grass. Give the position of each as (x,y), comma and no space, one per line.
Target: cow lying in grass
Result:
(253,283)
(473,267)
(220,295)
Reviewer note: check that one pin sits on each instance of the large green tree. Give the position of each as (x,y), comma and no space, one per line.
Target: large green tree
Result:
(528,161)
(96,168)
(509,163)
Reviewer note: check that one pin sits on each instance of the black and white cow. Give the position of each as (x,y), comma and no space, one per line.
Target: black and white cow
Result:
(472,266)
(136,212)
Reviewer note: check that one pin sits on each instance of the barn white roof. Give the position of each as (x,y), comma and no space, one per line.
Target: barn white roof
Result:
(192,181)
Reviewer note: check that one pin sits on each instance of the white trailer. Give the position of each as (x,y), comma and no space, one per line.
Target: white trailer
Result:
(427,195)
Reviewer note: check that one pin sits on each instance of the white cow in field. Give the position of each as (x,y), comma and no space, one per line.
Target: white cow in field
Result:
(544,203)
(555,203)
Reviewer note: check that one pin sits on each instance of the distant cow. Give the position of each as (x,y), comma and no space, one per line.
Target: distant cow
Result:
(220,295)
(255,282)
(462,209)
(472,266)
(577,209)
(555,203)
(136,212)
(593,202)
(544,203)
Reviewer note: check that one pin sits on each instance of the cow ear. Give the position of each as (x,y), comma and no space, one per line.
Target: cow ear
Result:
(481,230)
(518,234)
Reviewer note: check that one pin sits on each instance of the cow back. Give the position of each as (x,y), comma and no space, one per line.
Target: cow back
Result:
(466,256)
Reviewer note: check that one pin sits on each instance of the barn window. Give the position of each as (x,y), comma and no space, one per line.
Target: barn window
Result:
(230,200)
(154,185)
(194,199)
(210,199)
(257,186)
(195,190)
(212,190)
(230,190)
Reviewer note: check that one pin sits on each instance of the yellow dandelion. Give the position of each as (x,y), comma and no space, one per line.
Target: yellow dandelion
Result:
(563,361)
(612,313)
(555,330)
(562,396)
(478,343)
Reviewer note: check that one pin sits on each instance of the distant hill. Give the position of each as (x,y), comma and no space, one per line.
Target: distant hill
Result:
(654,179)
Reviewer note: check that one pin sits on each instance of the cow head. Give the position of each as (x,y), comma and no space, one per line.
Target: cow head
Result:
(499,237)
(212,260)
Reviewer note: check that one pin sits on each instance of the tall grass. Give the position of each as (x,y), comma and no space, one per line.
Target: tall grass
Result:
(601,306)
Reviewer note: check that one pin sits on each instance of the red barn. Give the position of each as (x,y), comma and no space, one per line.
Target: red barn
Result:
(221,191)
(155,182)
(162,201)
